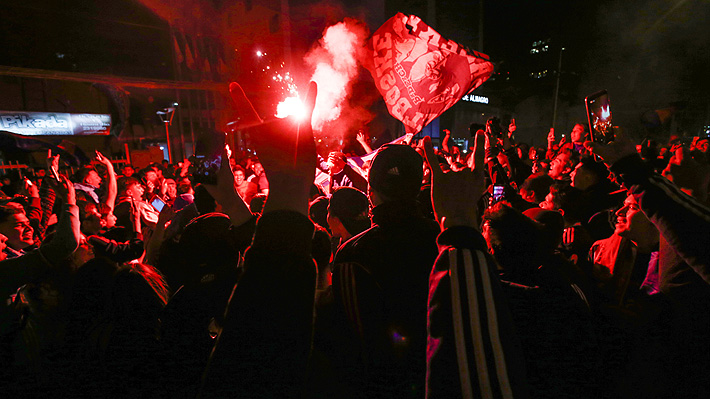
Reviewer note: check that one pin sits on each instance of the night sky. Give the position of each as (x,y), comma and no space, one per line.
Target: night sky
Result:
(649,54)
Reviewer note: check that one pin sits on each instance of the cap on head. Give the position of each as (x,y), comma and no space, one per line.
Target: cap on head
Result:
(396,172)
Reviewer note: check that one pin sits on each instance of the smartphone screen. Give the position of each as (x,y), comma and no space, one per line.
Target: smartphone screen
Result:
(599,117)
(158,204)
(497,193)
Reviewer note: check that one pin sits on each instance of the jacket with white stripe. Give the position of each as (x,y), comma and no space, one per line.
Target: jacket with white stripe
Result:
(472,349)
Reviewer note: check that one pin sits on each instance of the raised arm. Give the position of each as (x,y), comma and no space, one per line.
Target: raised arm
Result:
(21,270)
(445,142)
(463,275)
(112,191)
(226,194)
(363,142)
(267,330)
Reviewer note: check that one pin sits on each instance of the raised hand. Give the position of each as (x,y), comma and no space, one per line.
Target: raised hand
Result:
(621,147)
(224,191)
(64,189)
(52,164)
(455,194)
(361,137)
(363,142)
(104,161)
(286,149)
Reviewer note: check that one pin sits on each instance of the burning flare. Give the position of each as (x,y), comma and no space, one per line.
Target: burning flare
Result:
(292,106)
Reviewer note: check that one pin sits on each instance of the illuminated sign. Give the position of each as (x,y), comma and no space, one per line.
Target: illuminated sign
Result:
(475,99)
(54,123)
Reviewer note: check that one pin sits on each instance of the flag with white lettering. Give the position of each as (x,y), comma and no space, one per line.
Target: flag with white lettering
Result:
(419,73)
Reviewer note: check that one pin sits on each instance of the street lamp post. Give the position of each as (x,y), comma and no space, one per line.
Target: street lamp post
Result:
(166,115)
(557,89)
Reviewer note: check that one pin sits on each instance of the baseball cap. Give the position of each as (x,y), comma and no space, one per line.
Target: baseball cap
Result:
(396,172)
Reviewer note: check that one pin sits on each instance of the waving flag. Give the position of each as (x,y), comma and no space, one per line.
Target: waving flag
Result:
(419,73)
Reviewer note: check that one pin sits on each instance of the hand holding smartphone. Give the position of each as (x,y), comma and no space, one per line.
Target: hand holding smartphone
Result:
(599,117)
(498,194)
(53,165)
(158,203)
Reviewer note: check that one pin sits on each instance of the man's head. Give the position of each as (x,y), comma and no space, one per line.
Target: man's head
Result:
(150,175)
(170,188)
(158,169)
(131,187)
(128,171)
(578,134)
(257,168)
(565,199)
(552,224)
(89,217)
(691,175)
(560,164)
(89,176)
(396,174)
(633,224)
(587,173)
(512,238)
(703,144)
(15,225)
(535,187)
(348,212)
(239,175)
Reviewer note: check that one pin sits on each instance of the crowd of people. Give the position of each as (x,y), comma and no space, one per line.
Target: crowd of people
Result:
(500,270)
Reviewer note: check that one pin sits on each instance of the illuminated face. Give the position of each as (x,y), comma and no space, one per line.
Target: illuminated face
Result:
(135,191)
(128,171)
(151,176)
(109,221)
(92,221)
(577,134)
(547,203)
(239,177)
(631,222)
(171,188)
(18,231)
(93,179)
(258,169)
(702,145)
(558,165)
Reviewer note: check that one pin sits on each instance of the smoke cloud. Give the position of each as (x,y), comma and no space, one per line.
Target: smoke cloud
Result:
(334,61)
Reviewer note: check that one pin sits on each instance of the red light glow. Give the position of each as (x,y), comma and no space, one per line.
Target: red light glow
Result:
(292,106)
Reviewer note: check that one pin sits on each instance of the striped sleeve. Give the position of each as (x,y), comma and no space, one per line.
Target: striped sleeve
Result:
(471,332)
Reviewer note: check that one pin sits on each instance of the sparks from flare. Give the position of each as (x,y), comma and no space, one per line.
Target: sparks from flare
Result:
(292,105)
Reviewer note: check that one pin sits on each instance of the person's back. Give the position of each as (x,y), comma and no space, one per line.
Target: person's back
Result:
(380,286)
(550,312)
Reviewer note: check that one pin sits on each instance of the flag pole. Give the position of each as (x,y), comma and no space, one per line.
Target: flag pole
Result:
(557,89)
